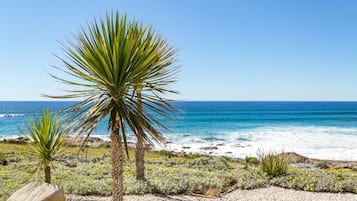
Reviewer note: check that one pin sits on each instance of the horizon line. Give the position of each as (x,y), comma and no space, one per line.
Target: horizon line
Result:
(182,100)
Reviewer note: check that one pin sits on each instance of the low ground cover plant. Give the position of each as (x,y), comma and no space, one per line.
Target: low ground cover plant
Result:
(190,175)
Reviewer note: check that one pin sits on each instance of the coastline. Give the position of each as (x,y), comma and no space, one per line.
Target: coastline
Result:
(290,157)
(322,130)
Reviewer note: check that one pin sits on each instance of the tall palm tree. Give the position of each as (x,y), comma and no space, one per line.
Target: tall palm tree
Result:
(47,137)
(105,64)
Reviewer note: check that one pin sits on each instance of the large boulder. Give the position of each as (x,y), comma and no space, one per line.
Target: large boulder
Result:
(38,192)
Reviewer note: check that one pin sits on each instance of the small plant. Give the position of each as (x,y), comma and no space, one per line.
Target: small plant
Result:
(47,137)
(166,153)
(194,155)
(3,160)
(322,165)
(250,160)
(104,145)
(273,164)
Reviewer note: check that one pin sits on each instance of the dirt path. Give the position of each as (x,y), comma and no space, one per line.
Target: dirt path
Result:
(261,194)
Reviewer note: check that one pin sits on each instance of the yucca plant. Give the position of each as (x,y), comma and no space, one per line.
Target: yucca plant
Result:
(46,136)
(106,64)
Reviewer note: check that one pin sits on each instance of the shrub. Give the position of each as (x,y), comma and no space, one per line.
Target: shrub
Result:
(194,155)
(319,180)
(322,165)
(250,178)
(273,164)
(220,163)
(250,160)
(166,153)
(3,160)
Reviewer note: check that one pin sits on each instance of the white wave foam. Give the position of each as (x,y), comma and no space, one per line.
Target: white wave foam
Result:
(321,142)
(11,115)
(10,136)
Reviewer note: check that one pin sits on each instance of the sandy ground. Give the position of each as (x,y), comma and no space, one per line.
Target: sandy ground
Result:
(266,194)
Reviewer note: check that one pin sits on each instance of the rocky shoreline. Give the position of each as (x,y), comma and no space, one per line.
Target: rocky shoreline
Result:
(290,157)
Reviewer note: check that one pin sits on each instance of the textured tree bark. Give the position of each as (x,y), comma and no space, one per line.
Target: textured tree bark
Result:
(139,158)
(117,163)
(47,174)
(139,150)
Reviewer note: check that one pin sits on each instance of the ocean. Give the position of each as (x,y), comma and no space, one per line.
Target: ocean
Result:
(324,130)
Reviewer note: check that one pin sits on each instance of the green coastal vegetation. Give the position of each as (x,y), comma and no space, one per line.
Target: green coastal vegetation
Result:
(188,174)
(121,70)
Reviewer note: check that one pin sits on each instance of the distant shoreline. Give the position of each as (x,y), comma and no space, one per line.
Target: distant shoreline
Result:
(291,157)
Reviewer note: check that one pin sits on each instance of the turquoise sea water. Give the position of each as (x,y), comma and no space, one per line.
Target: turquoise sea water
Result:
(316,129)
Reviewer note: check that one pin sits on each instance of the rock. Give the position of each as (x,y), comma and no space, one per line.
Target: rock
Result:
(19,140)
(292,157)
(3,162)
(38,192)
(70,164)
(303,165)
(209,148)
(212,139)
(237,145)
(243,139)
(186,147)
(95,139)
(220,144)
(178,154)
(95,142)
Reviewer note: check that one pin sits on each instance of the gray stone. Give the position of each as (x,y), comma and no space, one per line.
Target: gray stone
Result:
(209,148)
(38,192)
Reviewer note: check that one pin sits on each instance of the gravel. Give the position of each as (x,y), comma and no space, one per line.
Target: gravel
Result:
(266,194)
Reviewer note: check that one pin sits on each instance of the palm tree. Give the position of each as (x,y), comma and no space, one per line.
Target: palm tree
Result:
(46,135)
(105,64)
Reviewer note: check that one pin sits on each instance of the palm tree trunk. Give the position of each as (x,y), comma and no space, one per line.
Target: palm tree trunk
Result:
(139,158)
(117,163)
(139,150)
(47,174)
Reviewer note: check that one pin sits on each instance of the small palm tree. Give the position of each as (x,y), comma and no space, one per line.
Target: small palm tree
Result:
(47,136)
(106,64)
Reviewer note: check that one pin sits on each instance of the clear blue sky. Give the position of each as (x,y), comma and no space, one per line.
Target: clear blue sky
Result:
(229,50)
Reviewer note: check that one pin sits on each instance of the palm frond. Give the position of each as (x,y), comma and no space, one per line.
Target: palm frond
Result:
(105,63)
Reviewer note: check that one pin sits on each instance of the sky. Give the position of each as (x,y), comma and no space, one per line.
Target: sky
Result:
(228,50)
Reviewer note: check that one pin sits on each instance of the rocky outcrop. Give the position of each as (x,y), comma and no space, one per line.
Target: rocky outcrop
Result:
(90,142)
(38,192)
(209,148)
(18,140)
(292,157)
